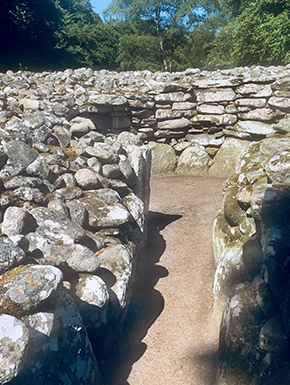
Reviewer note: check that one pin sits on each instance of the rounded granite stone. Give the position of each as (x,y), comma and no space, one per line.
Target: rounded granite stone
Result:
(28,289)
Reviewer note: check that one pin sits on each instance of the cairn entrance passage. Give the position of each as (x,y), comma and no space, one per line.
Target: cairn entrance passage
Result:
(169,336)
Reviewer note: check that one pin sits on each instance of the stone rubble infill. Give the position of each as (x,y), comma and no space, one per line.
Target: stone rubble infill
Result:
(73,203)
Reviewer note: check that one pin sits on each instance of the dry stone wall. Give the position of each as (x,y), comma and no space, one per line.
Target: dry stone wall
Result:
(196,122)
(73,206)
(75,157)
(251,286)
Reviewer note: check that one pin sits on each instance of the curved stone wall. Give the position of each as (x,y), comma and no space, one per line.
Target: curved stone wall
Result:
(73,207)
(75,156)
(251,287)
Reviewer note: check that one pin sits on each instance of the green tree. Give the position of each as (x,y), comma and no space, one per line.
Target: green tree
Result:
(27,28)
(83,38)
(195,52)
(167,18)
(259,35)
(54,34)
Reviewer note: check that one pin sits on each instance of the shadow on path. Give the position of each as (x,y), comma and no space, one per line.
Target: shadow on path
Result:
(204,362)
(145,307)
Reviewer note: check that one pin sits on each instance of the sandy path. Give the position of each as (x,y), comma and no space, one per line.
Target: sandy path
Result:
(168,337)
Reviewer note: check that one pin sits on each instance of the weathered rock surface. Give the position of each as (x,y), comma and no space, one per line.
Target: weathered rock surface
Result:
(193,161)
(251,244)
(10,254)
(225,160)
(14,337)
(93,303)
(163,159)
(29,289)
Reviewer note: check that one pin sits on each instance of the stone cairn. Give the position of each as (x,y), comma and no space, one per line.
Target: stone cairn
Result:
(75,157)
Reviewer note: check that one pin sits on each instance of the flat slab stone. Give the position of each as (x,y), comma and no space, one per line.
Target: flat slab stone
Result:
(206,140)
(107,100)
(210,109)
(224,119)
(209,96)
(174,124)
(255,90)
(208,83)
(251,102)
(281,103)
(256,128)
(173,97)
(260,114)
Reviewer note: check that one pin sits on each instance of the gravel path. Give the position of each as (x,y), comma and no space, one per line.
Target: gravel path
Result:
(169,337)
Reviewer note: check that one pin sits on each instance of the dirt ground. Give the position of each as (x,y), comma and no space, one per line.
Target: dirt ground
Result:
(169,337)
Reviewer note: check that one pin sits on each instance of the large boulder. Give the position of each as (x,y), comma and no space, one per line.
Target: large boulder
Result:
(60,351)
(163,159)
(194,160)
(240,357)
(225,160)
(14,338)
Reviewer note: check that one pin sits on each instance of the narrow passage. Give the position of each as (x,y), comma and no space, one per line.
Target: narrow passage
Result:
(169,337)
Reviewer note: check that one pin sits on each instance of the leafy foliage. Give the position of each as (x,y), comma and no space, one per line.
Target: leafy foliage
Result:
(27,29)
(144,34)
(85,40)
(259,35)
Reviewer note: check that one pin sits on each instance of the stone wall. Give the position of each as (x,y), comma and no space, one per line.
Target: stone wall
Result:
(73,207)
(75,150)
(252,248)
(196,122)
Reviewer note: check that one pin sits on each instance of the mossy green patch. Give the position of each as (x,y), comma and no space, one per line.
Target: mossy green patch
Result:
(12,308)
(233,212)
(12,273)
(69,152)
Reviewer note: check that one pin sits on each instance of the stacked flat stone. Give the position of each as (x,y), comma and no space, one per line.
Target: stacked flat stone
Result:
(202,114)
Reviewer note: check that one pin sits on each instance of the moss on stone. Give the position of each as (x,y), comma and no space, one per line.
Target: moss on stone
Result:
(12,308)
(8,306)
(69,152)
(81,283)
(239,351)
(233,212)
(6,277)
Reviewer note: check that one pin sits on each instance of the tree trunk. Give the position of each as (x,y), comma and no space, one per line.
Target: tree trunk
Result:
(163,56)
